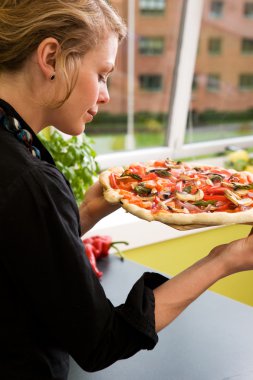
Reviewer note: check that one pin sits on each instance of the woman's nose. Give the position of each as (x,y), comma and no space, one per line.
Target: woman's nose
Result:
(104,96)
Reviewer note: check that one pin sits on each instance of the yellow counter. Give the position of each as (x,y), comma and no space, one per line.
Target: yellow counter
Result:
(172,256)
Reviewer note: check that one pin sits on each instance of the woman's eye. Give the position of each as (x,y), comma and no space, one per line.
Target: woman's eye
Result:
(102,78)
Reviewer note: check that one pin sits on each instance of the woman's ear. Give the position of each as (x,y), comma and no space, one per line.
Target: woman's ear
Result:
(47,52)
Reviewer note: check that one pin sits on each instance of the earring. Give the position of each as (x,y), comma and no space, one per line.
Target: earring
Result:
(52,77)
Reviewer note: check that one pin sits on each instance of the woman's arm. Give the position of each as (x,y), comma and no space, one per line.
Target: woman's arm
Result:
(175,295)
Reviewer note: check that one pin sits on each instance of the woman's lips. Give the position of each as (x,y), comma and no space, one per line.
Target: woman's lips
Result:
(89,118)
(91,114)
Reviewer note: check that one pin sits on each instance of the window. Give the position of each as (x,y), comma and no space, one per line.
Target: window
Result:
(150,115)
(152,6)
(247,45)
(246,82)
(165,123)
(151,45)
(213,82)
(220,108)
(216,9)
(150,82)
(248,9)
(140,86)
(195,82)
(214,46)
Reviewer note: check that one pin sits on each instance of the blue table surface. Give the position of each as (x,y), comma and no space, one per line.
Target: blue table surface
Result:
(211,340)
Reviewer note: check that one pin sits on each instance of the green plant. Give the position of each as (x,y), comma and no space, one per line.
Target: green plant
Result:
(211,116)
(75,158)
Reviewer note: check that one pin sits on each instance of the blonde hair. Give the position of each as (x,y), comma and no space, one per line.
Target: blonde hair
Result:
(78,26)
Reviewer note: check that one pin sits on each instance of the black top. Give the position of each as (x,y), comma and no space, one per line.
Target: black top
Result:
(52,304)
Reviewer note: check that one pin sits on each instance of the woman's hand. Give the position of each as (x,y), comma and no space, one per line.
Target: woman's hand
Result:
(94,207)
(237,256)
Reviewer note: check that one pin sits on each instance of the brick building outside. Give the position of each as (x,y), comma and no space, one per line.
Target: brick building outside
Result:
(223,79)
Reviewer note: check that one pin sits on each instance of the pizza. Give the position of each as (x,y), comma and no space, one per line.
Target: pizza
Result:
(181,195)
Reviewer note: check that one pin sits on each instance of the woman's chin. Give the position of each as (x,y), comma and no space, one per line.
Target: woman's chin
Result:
(80,130)
(74,131)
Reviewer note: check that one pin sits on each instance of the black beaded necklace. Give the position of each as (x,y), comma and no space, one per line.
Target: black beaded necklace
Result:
(12,125)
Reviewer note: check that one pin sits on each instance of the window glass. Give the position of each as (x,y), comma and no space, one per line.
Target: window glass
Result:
(221,105)
(216,8)
(151,45)
(140,86)
(152,6)
(247,45)
(248,9)
(246,82)
(195,82)
(150,82)
(213,82)
(214,45)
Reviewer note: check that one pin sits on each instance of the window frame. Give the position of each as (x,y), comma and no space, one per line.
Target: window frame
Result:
(179,105)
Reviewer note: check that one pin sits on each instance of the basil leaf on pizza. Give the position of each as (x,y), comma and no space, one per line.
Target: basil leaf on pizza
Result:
(178,194)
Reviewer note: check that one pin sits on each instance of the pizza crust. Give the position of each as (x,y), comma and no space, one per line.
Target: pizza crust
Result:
(201,219)
(179,221)
(111,195)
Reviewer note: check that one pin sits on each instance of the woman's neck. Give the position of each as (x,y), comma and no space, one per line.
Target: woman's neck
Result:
(17,94)
(23,97)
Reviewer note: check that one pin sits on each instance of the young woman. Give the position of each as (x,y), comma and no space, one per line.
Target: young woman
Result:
(55,58)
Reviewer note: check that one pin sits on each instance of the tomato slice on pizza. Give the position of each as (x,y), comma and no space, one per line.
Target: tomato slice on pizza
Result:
(176,193)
